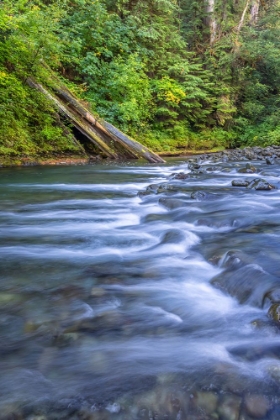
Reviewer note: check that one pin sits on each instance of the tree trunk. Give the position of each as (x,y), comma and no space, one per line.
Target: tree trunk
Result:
(107,129)
(108,139)
(79,125)
(254,12)
(211,20)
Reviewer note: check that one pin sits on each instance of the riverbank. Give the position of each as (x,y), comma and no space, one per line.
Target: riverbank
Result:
(268,153)
(247,153)
(40,161)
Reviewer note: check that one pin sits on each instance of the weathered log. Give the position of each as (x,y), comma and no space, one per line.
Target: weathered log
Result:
(84,128)
(113,142)
(138,148)
(104,128)
(79,109)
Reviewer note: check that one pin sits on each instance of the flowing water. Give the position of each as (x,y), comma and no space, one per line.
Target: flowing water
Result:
(129,293)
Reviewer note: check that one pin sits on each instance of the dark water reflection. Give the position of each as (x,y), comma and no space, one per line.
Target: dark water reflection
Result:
(107,309)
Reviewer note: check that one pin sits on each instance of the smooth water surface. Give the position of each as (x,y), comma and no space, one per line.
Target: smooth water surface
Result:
(107,309)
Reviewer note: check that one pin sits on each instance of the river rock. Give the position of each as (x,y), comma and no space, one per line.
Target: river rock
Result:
(155,217)
(180,175)
(256,405)
(249,153)
(203,195)
(249,169)
(211,169)
(234,259)
(171,188)
(10,301)
(270,161)
(249,284)
(173,236)
(259,184)
(150,189)
(240,183)
(255,351)
(163,403)
(229,407)
(274,312)
(206,401)
(193,165)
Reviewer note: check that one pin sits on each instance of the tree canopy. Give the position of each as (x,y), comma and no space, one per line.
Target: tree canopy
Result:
(172,73)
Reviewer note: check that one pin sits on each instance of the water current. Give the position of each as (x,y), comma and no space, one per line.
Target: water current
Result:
(131,291)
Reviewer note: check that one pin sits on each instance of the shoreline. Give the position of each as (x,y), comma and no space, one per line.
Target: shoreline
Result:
(6,162)
(55,161)
(248,153)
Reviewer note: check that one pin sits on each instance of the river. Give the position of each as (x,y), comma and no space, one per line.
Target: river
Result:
(138,291)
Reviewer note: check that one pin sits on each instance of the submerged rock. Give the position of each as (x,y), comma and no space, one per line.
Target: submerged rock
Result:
(206,401)
(173,236)
(249,284)
(229,407)
(211,169)
(256,405)
(234,259)
(203,195)
(172,203)
(255,351)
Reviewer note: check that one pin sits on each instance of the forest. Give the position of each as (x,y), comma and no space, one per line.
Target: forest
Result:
(173,74)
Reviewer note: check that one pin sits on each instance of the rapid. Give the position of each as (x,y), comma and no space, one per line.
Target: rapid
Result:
(140,291)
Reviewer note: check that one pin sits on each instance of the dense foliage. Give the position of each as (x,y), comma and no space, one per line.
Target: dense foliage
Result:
(29,124)
(173,73)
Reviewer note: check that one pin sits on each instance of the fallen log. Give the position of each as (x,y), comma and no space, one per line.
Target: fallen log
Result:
(75,106)
(82,128)
(138,148)
(108,139)
(109,130)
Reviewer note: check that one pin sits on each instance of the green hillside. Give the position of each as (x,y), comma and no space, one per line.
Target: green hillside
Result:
(170,73)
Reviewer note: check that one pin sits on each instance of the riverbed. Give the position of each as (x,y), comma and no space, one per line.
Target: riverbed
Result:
(139,291)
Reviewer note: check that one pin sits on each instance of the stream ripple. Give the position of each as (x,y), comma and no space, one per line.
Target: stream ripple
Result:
(136,291)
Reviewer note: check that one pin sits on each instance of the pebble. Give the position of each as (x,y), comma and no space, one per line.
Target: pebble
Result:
(207,401)
(229,408)
(256,406)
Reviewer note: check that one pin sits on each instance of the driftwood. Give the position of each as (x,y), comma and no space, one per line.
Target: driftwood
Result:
(106,138)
